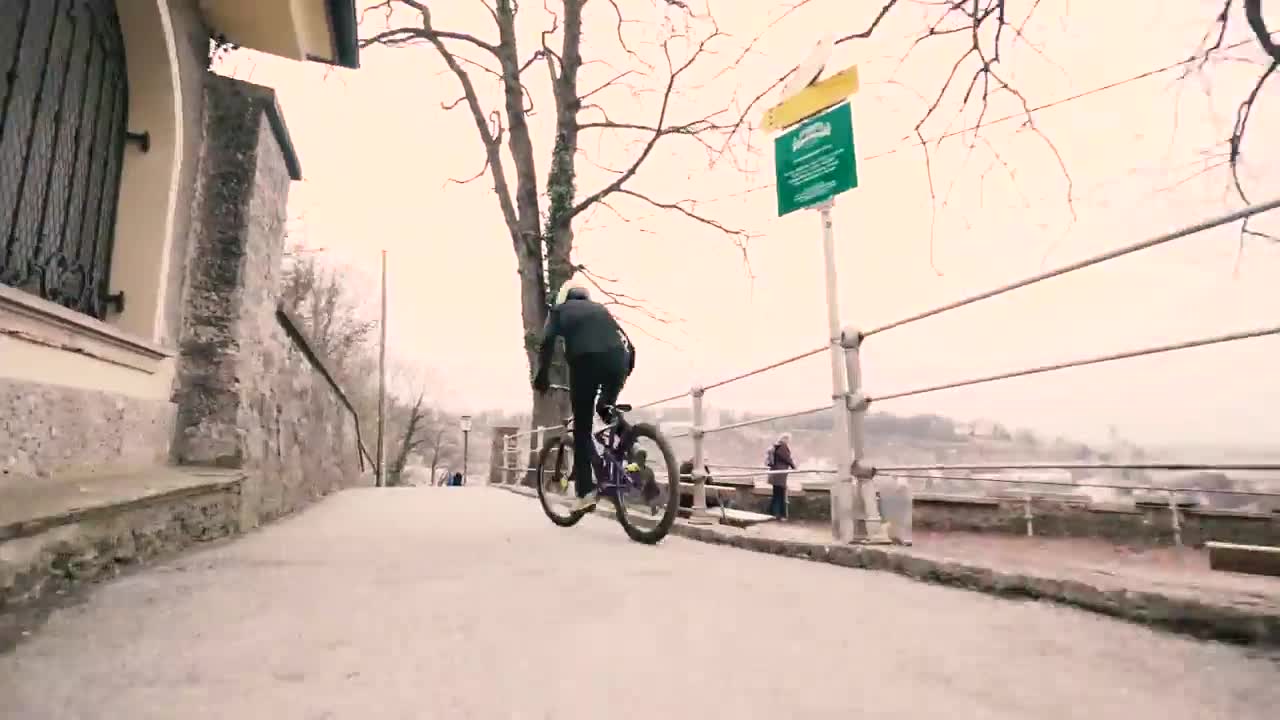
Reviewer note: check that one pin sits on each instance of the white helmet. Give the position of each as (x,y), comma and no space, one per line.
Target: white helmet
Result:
(572,291)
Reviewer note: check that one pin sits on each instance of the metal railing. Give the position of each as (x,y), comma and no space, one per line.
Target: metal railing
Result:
(855,512)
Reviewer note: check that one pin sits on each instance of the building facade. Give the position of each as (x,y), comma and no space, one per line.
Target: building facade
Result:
(142,206)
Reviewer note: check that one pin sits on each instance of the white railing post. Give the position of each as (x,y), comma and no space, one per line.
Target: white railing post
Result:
(842,528)
(540,437)
(698,515)
(865,503)
(509,450)
(1175,520)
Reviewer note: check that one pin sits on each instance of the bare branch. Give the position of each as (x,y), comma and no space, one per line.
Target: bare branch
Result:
(609,83)
(394,37)
(491,138)
(1258,24)
(1239,130)
(659,129)
(621,41)
(884,10)
(473,178)
(681,207)
(619,299)
(990,30)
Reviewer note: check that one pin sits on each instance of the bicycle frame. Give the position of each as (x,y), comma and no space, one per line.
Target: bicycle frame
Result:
(614,456)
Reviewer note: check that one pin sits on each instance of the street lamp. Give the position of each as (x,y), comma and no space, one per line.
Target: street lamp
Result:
(465,424)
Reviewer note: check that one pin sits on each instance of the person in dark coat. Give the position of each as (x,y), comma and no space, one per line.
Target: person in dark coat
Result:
(780,461)
(686,484)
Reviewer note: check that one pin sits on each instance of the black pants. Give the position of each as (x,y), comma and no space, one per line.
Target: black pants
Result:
(592,374)
(778,505)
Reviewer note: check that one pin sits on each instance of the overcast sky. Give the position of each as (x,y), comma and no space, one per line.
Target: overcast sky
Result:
(377,150)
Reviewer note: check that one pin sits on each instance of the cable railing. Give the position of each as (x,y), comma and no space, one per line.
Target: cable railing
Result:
(854,496)
(1086,484)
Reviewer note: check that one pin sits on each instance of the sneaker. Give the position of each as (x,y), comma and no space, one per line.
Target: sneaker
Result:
(585,504)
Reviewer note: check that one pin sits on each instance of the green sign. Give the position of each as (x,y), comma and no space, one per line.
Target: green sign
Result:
(814,160)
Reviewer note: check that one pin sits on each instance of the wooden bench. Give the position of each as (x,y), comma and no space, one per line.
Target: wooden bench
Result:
(721,493)
(1251,559)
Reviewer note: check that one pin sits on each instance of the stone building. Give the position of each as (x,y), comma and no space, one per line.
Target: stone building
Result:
(145,368)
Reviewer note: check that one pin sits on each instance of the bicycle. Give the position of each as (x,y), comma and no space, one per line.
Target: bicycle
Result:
(623,477)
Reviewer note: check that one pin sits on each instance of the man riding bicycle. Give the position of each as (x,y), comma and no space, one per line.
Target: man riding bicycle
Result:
(601,358)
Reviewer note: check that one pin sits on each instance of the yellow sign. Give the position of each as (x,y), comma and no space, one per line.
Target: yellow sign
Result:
(813,99)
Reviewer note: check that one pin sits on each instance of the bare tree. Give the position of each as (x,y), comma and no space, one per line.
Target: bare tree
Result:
(996,26)
(414,427)
(412,437)
(320,297)
(540,218)
(441,445)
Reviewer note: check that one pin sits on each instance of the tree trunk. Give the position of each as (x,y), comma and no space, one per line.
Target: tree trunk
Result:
(552,409)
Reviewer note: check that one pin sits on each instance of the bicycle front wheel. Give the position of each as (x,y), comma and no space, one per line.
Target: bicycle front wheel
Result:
(555,481)
(643,510)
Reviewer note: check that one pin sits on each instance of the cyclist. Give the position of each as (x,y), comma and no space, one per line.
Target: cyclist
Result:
(600,357)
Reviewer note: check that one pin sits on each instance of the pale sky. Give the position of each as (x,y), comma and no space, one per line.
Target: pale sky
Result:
(377,149)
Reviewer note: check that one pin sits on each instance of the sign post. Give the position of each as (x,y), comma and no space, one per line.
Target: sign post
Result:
(814,161)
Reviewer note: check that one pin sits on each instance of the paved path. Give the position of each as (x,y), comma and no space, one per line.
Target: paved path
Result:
(453,603)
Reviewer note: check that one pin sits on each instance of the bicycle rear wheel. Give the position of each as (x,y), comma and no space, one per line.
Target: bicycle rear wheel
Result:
(648,519)
(555,481)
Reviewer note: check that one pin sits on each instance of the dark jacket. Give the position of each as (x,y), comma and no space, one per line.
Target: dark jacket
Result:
(686,484)
(587,327)
(781,461)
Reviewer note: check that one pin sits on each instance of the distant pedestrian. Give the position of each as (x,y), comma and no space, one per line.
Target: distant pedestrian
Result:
(457,480)
(779,461)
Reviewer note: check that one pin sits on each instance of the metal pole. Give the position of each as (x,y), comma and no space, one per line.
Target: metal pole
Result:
(466,439)
(866,497)
(382,378)
(842,527)
(698,514)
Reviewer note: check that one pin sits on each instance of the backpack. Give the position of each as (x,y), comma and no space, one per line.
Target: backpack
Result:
(770,457)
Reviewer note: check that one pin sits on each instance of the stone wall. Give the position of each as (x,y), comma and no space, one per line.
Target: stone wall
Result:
(1140,525)
(251,393)
(192,40)
(49,429)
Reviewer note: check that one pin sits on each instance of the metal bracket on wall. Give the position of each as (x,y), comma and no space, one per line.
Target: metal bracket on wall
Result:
(143,139)
(115,300)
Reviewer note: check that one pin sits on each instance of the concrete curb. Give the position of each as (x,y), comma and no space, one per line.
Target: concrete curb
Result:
(1181,614)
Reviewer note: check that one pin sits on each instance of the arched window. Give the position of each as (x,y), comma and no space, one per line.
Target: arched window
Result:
(63,113)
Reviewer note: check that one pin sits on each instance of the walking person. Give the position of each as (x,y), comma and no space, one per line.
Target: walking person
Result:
(779,461)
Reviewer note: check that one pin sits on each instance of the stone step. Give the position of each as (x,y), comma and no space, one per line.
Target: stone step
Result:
(56,533)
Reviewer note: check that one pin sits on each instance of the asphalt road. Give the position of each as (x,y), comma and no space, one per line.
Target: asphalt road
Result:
(467,603)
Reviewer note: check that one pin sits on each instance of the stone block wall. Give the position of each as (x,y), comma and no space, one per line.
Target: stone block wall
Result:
(1137,526)
(49,429)
(250,391)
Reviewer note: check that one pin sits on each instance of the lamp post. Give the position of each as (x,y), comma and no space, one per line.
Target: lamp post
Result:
(465,424)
